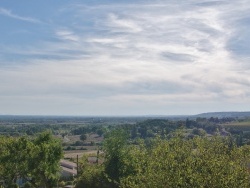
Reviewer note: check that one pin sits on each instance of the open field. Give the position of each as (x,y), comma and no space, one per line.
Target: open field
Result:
(90,138)
(88,149)
(73,153)
(244,123)
(243,126)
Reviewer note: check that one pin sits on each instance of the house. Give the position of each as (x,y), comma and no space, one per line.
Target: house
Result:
(69,169)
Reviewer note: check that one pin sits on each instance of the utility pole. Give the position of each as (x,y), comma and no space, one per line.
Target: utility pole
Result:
(77,165)
(97,156)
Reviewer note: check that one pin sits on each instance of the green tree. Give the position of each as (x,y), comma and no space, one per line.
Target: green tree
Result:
(198,162)
(100,132)
(14,158)
(35,160)
(116,150)
(83,137)
(44,160)
(91,175)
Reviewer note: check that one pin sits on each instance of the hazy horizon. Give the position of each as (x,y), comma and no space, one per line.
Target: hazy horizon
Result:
(125,58)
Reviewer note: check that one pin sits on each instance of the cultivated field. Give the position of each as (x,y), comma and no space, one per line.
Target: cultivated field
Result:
(239,125)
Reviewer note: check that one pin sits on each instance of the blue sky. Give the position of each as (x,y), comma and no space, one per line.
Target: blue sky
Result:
(124,57)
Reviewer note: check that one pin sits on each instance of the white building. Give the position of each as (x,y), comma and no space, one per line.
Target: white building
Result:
(69,169)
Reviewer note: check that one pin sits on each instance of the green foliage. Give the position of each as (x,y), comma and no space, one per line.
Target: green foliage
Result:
(14,154)
(116,149)
(100,132)
(199,132)
(79,131)
(13,185)
(28,185)
(198,162)
(116,165)
(83,137)
(177,162)
(91,176)
(36,160)
(44,164)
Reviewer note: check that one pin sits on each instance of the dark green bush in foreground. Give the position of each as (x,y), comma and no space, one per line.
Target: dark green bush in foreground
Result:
(36,160)
(178,162)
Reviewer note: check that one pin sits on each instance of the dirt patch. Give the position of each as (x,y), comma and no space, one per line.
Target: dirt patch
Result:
(73,153)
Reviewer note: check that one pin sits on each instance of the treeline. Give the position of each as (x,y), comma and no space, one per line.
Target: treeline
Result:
(142,129)
(34,160)
(200,126)
(26,129)
(155,127)
(88,129)
(175,162)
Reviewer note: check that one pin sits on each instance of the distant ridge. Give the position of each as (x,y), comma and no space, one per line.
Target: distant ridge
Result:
(233,114)
(224,114)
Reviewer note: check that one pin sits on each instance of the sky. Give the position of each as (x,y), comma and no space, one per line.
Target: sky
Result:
(124,57)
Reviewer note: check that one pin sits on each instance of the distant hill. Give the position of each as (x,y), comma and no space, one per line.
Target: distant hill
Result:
(224,114)
(126,119)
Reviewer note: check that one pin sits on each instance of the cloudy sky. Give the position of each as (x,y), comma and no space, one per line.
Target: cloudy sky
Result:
(126,57)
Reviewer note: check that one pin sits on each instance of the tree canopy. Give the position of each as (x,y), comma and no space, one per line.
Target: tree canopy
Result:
(36,160)
(175,162)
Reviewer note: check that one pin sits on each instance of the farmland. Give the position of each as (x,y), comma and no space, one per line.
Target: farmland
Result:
(99,138)
(243,125)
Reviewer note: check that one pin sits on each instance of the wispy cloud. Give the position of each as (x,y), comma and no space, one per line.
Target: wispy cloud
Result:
(67,35)
(10,14)
(122,25)
(165,57)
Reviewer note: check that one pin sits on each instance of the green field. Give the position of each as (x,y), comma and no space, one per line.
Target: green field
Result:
(243,126)
(244,123)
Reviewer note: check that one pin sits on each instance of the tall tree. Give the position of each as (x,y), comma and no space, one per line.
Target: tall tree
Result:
(14,158)
(198,162)
(44,164)
(116,149)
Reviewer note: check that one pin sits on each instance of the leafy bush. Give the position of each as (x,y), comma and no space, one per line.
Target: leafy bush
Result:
(178,162)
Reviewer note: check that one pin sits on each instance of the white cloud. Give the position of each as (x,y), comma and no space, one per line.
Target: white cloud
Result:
(165,57)
(9,13)
(67,35)
(122,25)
